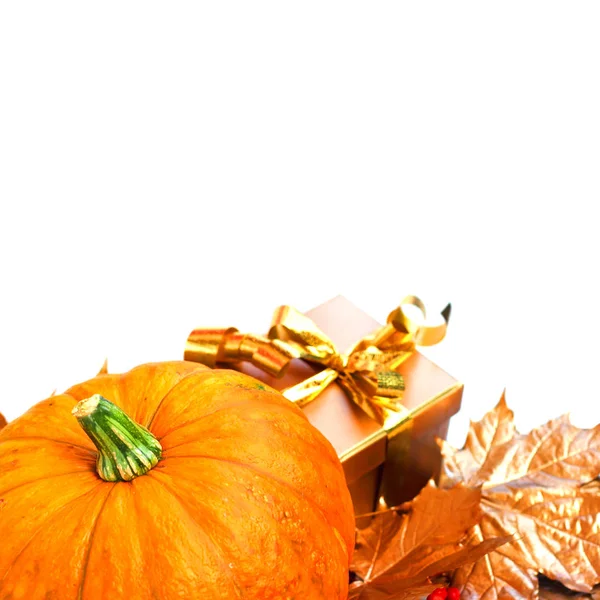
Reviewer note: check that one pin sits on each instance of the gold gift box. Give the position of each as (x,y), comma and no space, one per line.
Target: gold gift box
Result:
(397,463)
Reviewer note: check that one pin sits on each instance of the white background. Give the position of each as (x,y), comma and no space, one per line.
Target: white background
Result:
(170,165)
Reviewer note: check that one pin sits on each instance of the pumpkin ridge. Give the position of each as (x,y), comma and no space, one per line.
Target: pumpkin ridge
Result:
(184,378)
(274,406)
(43,525)
(214,412)
(88,551)
(46,439)
(209,529)
(43,478)
(181,503)
(331,450)
(272,479)
(265,475)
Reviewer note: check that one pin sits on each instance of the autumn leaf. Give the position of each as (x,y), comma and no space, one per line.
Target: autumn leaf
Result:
(365,592)
(398,553)
(496,428)
(2,421)
(551,590)
(435,517)
(551,594)
(538,487)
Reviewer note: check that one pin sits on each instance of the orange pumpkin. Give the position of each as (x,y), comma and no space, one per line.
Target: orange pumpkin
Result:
(225,491)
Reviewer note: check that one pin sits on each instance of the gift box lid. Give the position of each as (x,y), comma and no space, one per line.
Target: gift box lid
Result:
(432,396)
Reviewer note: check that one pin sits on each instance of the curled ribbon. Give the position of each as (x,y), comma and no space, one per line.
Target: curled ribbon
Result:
(366,372)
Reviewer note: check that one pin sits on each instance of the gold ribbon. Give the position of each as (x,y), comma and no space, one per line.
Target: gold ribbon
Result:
(366,372)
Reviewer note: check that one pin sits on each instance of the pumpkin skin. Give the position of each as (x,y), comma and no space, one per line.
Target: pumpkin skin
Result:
(248,500)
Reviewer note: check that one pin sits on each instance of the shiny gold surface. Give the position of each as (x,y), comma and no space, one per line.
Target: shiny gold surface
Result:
(362,445)
(542,488)
(366,372)
(399,553)
(227,346)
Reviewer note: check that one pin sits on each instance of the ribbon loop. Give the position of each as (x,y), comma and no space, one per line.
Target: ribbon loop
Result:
(205,345)
(288,324)
(423,334)
(367,373)
(307,390)
(212,347)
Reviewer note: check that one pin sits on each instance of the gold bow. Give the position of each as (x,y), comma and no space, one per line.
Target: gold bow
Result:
(366,373)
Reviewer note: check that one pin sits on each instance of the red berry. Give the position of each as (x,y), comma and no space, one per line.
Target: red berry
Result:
(453,593)
(438,594)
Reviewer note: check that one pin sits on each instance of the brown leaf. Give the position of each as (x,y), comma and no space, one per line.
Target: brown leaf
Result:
(395,580)
(538,488)
(104,368)
(550,594)
(559,537)
(551,590)
(2,421)
(496,428)
(436,517)
(414,593)
(494,576)
(395,549)
(557,454)
(456,559)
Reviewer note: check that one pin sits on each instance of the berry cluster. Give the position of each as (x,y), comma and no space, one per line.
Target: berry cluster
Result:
(443,593)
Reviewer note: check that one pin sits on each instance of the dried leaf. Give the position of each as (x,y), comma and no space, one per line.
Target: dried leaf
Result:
(104,368)
(495,576)
(551,590)
(457,559)
(557,454)
(395,580)
(397,554)
(436,517)
(538,488)
(560,595)
(496,428)
(2,421)
(414,593)
(550,594)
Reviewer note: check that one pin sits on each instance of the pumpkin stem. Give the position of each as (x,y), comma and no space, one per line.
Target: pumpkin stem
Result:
(125,449)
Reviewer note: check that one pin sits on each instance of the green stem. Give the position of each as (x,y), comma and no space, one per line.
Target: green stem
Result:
(125,449)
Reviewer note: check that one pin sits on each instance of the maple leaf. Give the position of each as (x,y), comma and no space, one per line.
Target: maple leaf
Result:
(551,594)
(397,554)
(551,590)
(538,487)
(496,428)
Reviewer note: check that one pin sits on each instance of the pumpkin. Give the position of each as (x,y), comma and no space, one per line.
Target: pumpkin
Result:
(171,481)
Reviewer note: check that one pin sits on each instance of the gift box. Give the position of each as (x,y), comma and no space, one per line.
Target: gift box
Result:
(394,459)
